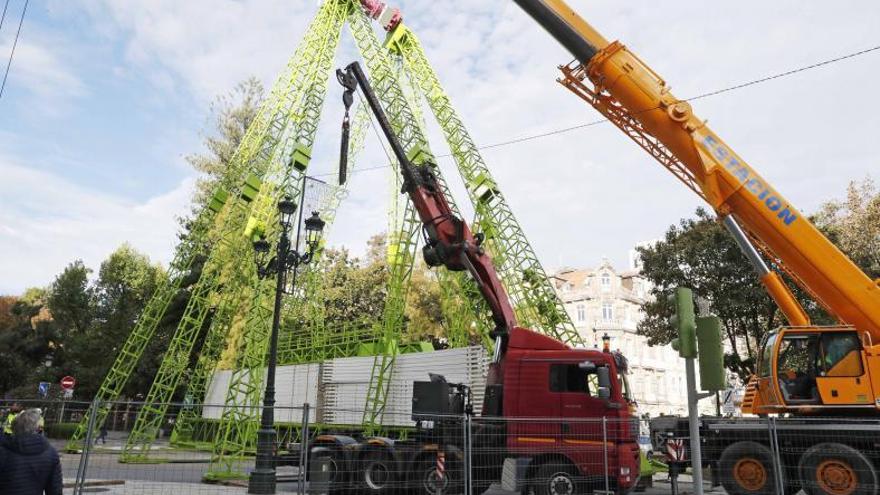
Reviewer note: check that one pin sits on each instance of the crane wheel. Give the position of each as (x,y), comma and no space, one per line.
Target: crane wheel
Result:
(377,473)
(836,469)
(746,468)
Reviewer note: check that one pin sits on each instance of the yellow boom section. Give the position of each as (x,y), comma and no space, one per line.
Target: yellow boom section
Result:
(634,96)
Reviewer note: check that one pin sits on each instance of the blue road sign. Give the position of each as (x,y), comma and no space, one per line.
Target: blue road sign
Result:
(43,389)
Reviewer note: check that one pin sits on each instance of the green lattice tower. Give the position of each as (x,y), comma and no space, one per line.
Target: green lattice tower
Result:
(536,303)
(309,286)
(237,429)
(389,91)
(285,101)
(258,143)
(222,270)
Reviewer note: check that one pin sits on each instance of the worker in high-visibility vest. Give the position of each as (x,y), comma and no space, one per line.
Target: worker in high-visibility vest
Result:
(7,423)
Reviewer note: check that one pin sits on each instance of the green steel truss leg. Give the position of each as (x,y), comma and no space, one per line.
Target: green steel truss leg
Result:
(282,105)
(460,298)
(534,298)
(145,328)
(402,244)
(205,366)
(221,269)
(238,424)
(388,89)
(257,145)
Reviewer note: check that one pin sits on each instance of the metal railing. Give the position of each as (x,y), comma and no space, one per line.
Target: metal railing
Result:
(461,454)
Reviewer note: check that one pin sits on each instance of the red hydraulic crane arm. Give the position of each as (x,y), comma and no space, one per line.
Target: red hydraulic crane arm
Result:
(636,99)
(448,240)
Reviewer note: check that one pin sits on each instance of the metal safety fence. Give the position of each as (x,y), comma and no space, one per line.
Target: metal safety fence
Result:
(184,448)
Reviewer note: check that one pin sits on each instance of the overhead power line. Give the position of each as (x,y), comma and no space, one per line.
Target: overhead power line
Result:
(3,17)
(716,92)
(14,43)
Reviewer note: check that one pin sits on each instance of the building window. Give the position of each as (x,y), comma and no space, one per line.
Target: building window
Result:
(606,281)
(582,312)
(607,312)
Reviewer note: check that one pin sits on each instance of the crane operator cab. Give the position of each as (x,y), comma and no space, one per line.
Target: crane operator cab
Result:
(812,369)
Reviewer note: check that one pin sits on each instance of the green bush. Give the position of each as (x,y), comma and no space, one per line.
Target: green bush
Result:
(62,431)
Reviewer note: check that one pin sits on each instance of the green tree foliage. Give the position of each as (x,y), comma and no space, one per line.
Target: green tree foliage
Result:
(423,309)
(26,341)
(71,300)
(355,288)
(126,281)
(79,325)
(854,224)
(698,253)
(231,115)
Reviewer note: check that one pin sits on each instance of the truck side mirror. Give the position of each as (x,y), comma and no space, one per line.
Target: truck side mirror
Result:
(604,375)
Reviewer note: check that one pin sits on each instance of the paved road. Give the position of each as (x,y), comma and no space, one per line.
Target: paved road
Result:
(184,477)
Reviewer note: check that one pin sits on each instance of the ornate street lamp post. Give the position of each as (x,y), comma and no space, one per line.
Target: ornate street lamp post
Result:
(286,260)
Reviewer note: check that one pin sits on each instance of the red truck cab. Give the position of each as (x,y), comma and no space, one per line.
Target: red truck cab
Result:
(570,408)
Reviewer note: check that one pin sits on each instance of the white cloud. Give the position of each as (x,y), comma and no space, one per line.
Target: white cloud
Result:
(208,45)
(46,222)
(41,71)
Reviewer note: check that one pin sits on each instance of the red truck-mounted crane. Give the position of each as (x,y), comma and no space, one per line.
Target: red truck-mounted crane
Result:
(545,403)
(805,371)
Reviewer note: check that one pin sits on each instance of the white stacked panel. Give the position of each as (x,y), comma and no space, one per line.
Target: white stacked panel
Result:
(294,386)
(338,388)
(345,382)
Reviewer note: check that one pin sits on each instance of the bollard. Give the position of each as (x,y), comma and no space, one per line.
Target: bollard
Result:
(441,472)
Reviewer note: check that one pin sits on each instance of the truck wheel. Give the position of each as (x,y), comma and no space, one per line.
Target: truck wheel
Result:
(836,469)
(426,481)
(746,468)
(377,473)
(336,470)
(555,478)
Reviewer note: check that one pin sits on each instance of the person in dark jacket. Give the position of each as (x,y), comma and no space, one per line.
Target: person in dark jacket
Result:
(29,465)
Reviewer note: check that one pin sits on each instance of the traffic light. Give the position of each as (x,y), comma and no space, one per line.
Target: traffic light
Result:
(711,353)
(683,321)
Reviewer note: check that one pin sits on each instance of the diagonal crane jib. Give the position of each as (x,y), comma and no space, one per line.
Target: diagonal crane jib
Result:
(524,277)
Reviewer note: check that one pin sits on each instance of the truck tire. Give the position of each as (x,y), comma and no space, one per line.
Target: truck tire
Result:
(836,469)
(746,468)
(556,478)
(377,473)
(336,469)
(425,481)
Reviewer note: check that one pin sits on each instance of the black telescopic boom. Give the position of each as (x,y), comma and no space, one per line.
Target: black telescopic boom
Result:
(352,76)
(561,22)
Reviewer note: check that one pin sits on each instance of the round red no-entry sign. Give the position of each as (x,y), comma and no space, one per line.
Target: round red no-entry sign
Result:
(68,382)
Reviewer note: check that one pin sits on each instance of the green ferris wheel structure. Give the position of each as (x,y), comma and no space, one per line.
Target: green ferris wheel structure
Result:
(228,312)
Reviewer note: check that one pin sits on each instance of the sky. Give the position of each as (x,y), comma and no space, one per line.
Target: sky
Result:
(106,98)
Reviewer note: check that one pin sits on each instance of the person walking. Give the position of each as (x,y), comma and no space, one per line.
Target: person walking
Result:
(102,436)
(29,465)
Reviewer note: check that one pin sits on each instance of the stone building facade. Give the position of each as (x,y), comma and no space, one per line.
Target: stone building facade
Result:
(603,300)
